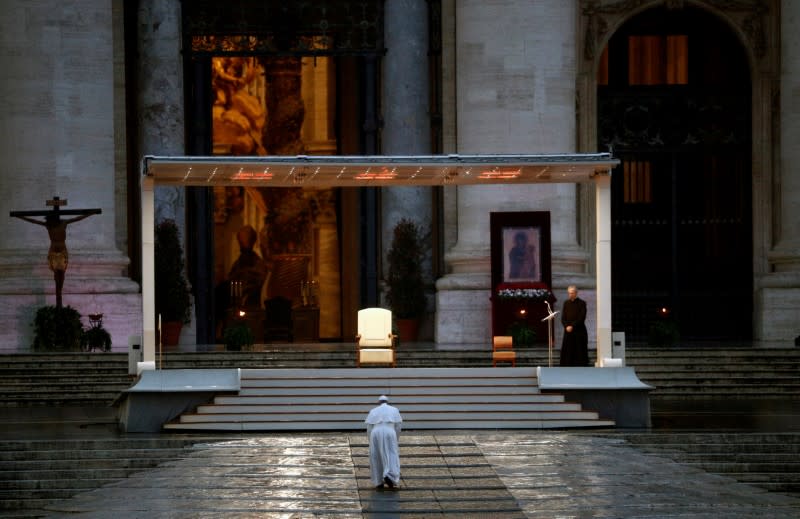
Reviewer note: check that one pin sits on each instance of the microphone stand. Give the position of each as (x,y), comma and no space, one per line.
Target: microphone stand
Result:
(549,318)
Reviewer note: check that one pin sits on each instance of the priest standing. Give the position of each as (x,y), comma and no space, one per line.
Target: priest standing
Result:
(383,431)
(575,345)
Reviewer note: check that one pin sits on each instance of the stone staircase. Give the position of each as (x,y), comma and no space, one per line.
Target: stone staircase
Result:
(63,379)
(677,373)
(429,398)
(718,372)
(35,473)
(766,460)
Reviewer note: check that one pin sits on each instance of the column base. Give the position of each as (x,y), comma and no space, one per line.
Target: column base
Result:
(122,317)
(463,317)
(777,305)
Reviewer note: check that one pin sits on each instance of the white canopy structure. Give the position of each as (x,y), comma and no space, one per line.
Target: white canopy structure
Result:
(381,171)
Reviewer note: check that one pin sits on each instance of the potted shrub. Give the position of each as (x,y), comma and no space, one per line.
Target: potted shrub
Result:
(172,297)
(405,283)
(664,329)
(523,335)
(57,329)
(238,335)
(96,337)
(663,332)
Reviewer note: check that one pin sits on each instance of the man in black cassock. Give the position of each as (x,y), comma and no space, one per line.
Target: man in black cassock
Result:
(575,346)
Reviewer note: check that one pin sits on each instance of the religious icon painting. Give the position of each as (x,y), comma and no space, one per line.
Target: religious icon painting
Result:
(521,258)
(520,248)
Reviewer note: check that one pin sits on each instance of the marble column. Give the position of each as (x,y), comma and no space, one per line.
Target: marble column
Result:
(406,122)
(161,107)
(515,94)
(778,290)
(160,94)
(57,121)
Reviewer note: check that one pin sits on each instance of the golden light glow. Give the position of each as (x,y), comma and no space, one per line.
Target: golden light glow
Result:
(251,175)
(383,174)
(499,174)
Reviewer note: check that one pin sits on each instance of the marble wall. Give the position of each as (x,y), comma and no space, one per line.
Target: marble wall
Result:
(515,94)
(57,118)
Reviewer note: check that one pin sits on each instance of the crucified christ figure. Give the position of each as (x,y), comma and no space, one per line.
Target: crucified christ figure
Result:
(57,257)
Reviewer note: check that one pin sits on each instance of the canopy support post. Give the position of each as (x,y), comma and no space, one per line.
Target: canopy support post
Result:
(602,182)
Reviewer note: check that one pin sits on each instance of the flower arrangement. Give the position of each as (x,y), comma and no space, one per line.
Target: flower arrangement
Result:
(535,294)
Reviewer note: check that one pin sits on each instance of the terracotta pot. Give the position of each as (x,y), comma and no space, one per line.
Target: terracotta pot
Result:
(170,333)
(407,329)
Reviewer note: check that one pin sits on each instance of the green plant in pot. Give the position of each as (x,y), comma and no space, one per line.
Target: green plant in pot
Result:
(238,335)
(57,329)
(172,296)
(405,281)
(663,332)
(522,334)
(664,329)
(96,338)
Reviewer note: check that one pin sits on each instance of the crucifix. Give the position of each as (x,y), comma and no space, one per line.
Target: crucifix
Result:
(57,229)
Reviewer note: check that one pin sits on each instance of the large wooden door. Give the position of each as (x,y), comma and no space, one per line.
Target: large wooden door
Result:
(674,106)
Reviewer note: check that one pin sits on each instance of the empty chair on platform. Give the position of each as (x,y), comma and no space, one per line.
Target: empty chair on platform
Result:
(503,350)
(375,341)
(278,319)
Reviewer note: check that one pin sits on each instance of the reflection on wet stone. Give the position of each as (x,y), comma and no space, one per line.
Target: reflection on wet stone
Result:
(533,474)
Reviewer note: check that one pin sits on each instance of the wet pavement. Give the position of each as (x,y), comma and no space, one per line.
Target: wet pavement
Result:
(465,474)
(486,474)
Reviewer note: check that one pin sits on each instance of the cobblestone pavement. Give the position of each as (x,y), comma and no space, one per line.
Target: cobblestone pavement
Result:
(493,474)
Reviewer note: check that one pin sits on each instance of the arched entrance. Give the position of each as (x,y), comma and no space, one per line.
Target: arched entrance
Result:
(674,104)
(751,28)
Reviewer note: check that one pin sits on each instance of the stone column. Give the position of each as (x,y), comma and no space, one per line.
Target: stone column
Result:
(778,290)
(406,123)
(57,119)
(161,104)
(516,94)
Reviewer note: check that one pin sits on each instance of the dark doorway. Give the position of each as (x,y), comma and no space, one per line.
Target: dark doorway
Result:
(674,105)
(276,78)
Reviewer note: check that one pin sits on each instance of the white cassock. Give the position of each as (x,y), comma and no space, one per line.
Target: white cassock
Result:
(383,430)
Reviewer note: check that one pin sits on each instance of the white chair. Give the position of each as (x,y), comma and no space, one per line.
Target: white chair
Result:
(375,340)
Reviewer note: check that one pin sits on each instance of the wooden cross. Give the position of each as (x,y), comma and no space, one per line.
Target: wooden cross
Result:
(57,257)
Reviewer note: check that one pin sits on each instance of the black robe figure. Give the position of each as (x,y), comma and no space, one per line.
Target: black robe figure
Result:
(249,269)
(575,346)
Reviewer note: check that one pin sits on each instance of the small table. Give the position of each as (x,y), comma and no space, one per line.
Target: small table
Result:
(305,324)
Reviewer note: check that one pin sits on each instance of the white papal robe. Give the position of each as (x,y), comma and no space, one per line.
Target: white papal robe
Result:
(383,430)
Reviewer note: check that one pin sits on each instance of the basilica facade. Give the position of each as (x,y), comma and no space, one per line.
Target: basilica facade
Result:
(696,98)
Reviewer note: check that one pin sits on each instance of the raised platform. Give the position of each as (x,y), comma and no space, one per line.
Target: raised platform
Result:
(160,395)
(616,393)
(338,399)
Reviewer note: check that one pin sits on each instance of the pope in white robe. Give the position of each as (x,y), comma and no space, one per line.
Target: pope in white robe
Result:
(383,430)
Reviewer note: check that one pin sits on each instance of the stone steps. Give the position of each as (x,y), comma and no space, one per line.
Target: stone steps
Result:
(767,460)
(674,372)
(36,473)
(63,379)
(431,398)
(95,379)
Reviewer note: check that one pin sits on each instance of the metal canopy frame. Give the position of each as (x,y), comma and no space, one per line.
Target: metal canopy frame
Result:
(381,171)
